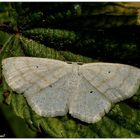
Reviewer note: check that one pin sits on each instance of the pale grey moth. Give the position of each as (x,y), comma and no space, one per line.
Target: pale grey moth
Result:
(55,88)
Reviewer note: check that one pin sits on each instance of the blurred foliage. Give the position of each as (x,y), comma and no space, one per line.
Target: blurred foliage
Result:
(81,32)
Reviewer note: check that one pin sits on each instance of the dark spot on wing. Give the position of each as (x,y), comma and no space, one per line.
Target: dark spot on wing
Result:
(36,66)
(109,71)
(50,86)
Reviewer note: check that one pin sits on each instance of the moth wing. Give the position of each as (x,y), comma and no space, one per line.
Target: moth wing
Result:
(100,85)
(43,82)
(116,81)
(88,105)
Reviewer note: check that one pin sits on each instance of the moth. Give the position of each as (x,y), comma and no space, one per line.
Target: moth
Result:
(55,88)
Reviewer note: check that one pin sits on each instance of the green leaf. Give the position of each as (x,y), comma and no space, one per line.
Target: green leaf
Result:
(8,15)
(126,116)
(53,35)
(18,126)
(109,128)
